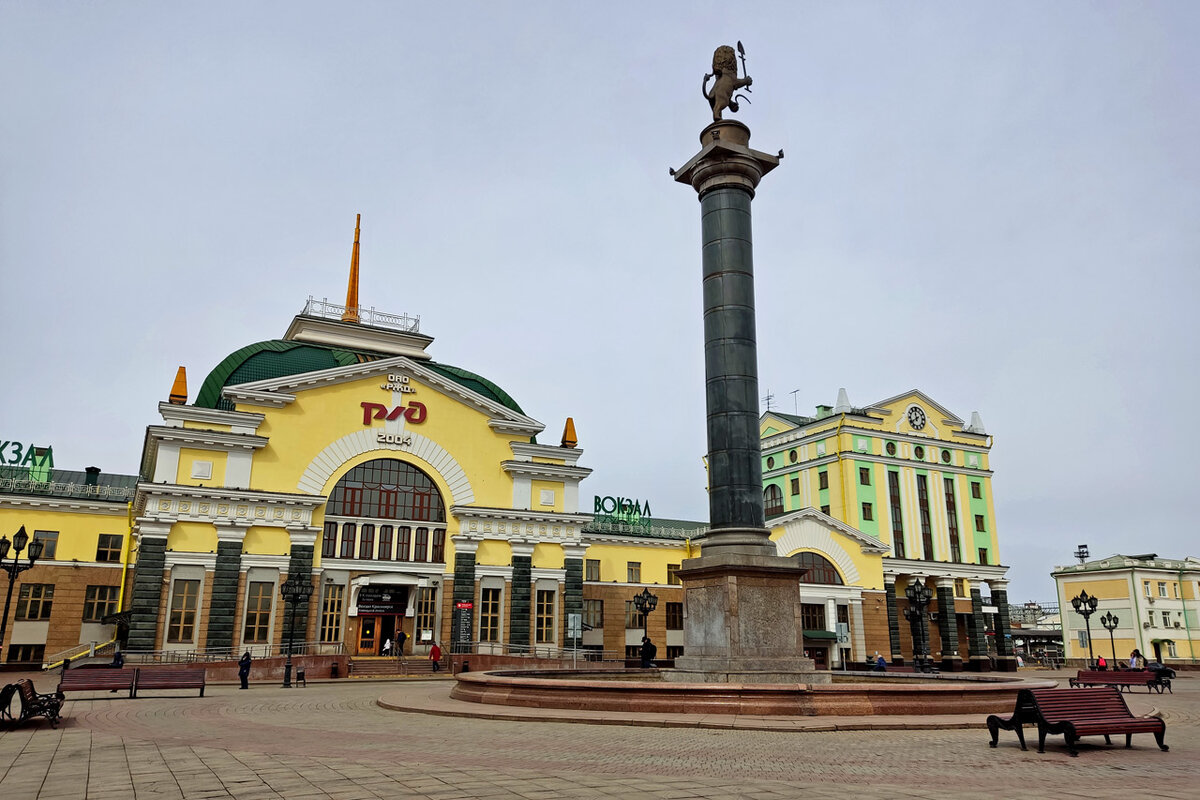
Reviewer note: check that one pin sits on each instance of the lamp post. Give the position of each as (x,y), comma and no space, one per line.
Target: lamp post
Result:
(645,603)
(19,540)
(918,595)
(295,590)
(1085,605)
(1110,621)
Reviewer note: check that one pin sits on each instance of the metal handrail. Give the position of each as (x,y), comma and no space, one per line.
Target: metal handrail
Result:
(542,651)
(91,649)
(231,653)
(367,316)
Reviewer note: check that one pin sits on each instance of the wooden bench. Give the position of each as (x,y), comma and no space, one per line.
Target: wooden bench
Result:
(169,678)
(32,703)
(1121,679)
(100,679)
(1075,713)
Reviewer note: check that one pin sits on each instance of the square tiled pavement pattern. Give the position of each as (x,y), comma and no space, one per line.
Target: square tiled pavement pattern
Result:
(333,741)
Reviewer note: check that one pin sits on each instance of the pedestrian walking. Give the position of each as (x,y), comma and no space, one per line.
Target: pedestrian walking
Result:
(387,647)
(401,637)
(244,670)
(649,651)
(435,656)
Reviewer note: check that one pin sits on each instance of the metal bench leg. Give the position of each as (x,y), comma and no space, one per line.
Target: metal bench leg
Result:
(1020,735)
(1107,740)
(1158,737)
(1041,739)
(1128,740)
(1071,744)
(994,730)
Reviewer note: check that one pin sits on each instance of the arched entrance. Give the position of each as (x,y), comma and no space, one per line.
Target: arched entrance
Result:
(386,516)
(820,635)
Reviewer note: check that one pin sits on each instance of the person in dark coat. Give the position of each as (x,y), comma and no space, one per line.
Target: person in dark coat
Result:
(649,651)
(244,670)
(401,637)
(118,660)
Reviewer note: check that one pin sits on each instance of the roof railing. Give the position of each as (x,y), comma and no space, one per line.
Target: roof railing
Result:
(323,309)
(101,492)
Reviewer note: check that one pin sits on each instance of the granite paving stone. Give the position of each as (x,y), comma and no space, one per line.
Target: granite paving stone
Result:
(334,741)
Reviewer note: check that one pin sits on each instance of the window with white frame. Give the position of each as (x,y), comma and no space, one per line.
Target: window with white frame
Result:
(1171,651)
(1162,588)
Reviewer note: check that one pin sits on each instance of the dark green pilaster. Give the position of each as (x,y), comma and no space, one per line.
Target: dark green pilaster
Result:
(572,592)
(300,564)
(224,596)
(977,634)
(147,593)
(1006,660)
(893,622)
(948,629)
(464,592)
(519,605)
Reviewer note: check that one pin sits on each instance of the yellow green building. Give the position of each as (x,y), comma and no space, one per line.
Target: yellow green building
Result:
(415,497)
(1153,599)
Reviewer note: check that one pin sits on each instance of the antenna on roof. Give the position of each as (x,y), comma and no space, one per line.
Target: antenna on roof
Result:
(768,400)
(795,402)
(1081,552)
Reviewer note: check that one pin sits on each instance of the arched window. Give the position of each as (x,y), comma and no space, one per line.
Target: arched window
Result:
(387,489)
(820,569)
(772,500)
(382,503)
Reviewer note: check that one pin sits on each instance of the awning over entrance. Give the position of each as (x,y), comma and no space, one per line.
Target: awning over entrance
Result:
(820,634)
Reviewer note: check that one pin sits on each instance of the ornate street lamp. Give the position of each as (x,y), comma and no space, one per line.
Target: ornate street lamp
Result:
(1085,605)
(19,540)
(645,603)
(918,595)
(295,590)
(1110,621)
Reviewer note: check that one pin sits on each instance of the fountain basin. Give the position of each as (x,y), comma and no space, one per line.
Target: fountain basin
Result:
(638,691)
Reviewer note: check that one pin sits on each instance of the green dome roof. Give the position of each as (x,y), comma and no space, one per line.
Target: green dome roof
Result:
(277,358)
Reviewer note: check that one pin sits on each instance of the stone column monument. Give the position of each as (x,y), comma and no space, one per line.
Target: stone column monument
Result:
(741,600)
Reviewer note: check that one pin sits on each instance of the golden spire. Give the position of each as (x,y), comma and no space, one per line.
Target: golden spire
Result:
(351,314)
(178,395)
(569,438)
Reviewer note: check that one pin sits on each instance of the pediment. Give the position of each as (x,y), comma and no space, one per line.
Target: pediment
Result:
(282,391)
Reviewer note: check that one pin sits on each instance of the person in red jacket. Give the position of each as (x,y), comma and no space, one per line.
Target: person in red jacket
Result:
(435,656)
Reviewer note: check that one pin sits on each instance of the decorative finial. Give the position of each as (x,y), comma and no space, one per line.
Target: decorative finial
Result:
(569,439)
(351,314)
(725,69)
(178,395)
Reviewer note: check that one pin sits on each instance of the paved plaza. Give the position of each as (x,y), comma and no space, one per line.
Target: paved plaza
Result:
(333,740)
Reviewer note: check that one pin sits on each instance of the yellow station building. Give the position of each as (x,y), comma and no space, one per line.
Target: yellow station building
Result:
(415,496)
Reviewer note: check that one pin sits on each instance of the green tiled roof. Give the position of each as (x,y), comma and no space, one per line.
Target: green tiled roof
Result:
(68,483)
(277,358)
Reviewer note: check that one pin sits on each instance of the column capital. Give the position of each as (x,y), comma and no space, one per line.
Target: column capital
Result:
(465,544)
(522,549)
(574,550)
(998,584)
(231,531)
(945,583)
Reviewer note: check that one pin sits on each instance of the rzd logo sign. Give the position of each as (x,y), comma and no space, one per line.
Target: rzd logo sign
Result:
(414,412)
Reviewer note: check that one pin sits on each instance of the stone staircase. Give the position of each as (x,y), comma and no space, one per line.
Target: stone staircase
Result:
(385,666)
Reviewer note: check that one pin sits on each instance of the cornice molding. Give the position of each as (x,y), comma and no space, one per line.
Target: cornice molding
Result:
(249,397)
(68,504)
(536,469)
(197,437)
(526,451)
(170,503)
(515,525)
(211,416)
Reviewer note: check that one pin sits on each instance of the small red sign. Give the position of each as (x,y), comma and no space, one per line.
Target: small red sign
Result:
(463,604)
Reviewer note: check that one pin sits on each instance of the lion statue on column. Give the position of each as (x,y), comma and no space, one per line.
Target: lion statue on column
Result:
(722,95)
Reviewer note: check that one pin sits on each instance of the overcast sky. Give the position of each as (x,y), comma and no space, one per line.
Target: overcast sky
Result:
(996,203)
